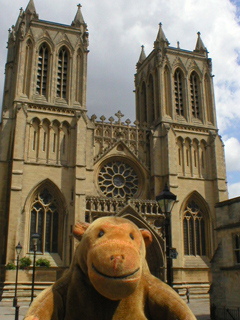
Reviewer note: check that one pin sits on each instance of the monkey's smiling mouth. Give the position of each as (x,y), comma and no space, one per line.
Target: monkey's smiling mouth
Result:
(115,277)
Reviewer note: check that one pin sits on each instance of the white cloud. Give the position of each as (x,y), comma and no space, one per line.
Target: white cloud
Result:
(232,150)
(234,190)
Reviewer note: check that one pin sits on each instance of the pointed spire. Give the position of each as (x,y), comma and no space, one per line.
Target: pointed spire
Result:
(31,7)
(199,45)
(161,36)
(78,20)
(142,55)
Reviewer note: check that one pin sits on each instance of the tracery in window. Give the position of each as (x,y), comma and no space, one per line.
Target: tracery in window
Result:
(178,92)
(194,94)
(118,179)
(194,229)
(62,73)
(42,70)
(44,221)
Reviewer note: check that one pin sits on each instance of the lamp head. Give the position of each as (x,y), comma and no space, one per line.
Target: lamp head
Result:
(18,248)
(166,200)
(35,237)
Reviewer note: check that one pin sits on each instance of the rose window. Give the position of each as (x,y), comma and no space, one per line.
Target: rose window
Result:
(118,179)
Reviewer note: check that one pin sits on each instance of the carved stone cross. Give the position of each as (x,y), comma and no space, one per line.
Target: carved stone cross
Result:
(119,115)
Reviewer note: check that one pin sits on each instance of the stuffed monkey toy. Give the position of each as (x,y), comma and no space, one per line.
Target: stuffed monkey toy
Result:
(109,279)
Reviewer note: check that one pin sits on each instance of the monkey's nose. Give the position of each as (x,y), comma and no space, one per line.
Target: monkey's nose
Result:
(117,257)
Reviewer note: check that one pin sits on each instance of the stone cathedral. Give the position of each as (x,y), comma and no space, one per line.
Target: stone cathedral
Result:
(59,166)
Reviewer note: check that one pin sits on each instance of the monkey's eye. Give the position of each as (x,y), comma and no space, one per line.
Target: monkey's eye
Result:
(101,233)
(131,236)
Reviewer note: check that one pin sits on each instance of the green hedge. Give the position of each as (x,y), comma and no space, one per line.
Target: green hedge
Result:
(43,263)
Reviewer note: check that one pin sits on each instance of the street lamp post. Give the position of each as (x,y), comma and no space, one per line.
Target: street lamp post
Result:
(18,249)
(35,237)
(166,200)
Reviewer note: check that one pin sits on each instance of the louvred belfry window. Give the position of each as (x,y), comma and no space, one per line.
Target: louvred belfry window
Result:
(62,73)
(178,92)
(194,92)
(42,70)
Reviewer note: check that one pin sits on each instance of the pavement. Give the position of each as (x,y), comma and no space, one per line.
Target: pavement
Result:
(200,308)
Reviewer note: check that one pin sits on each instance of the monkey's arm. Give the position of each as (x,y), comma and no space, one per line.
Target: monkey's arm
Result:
(165,303)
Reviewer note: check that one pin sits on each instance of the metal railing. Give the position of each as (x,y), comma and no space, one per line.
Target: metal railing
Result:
(225,313)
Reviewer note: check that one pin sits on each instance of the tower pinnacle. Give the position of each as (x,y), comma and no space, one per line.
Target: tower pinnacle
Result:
(142,55)
(199,45)
(31,7)
(78,20)
(161,36)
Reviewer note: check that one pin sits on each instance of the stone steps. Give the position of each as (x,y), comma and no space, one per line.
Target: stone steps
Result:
(24,290)
(196,290)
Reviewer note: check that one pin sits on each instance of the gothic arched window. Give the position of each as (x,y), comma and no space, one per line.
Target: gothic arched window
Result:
(237,248)
(151,100)
(42,70)
(178,92)
(44,221)
(62,73)
(167,91)
(208,98)
(79,77)
(28,68)
(194,92)
(194,229)
(143,114)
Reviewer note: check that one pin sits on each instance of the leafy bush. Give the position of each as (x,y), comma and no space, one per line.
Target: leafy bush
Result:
(43,263)
(25,263)
(10,266)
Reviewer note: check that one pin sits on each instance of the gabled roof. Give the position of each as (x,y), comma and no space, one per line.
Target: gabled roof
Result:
(120,142)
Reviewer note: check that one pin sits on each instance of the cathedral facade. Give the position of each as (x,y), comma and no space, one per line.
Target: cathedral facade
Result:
(59,166)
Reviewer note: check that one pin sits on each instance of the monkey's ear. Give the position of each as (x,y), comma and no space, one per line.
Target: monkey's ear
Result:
(147,237)
(79,229)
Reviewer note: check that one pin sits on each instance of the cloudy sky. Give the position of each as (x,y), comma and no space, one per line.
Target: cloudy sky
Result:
(117,30)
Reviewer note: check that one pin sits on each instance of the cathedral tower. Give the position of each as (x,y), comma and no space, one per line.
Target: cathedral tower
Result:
(175,100)
(44,99)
